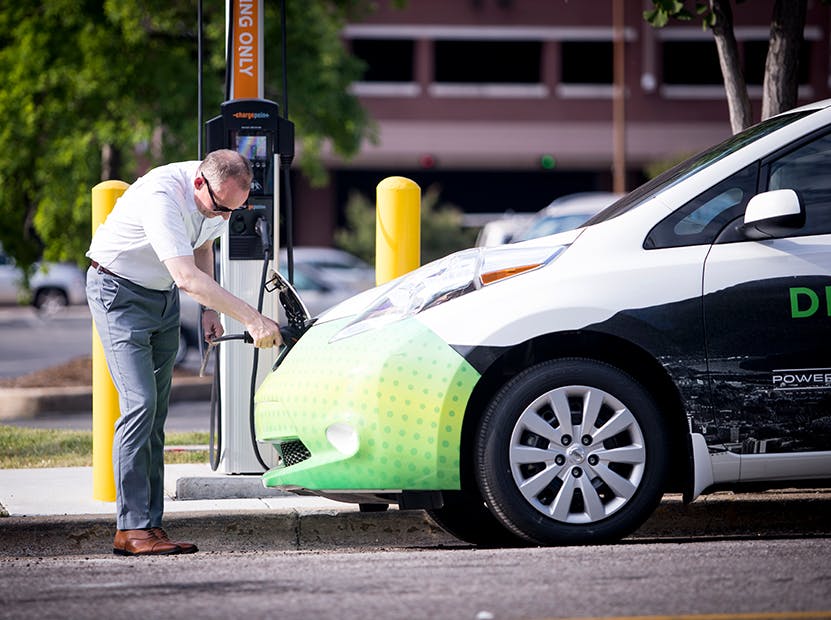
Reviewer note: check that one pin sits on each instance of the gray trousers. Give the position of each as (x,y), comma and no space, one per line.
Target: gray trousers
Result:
(139,329)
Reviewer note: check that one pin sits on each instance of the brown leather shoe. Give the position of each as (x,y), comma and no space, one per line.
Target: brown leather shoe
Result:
(142,542)
(184,547)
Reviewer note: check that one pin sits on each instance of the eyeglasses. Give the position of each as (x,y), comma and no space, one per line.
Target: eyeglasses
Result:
(218,207)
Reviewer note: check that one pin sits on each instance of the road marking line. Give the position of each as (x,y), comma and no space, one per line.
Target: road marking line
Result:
(774,615)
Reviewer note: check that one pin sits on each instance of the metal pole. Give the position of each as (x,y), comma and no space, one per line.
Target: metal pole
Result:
(619,101)
(199,71)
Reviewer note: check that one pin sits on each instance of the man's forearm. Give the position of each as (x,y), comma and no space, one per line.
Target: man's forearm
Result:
(200,285)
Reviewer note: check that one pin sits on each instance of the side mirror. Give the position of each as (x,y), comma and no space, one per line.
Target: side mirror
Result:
(773,214)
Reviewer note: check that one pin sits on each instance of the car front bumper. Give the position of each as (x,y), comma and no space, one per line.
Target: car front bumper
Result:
(379,411)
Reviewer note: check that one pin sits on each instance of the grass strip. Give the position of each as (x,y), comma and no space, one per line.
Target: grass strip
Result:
(23,448)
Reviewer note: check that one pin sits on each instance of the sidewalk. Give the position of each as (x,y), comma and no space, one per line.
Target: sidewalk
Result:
(51,512)
(64,491)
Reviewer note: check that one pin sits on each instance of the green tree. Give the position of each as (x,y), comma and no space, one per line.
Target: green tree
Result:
(442,232)
(358,236)
(99,89)
(779,88)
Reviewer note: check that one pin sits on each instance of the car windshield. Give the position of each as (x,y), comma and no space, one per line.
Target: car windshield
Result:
(696,163)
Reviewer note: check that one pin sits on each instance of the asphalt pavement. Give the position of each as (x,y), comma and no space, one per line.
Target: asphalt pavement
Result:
(32,340)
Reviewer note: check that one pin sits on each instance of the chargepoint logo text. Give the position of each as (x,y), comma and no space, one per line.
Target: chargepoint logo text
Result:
(251,115)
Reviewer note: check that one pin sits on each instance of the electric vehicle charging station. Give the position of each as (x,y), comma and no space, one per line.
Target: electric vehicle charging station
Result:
(253,127)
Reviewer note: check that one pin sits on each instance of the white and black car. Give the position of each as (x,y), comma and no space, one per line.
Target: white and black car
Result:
(552,391)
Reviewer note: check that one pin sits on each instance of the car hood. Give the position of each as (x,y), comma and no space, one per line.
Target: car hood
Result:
(356,304)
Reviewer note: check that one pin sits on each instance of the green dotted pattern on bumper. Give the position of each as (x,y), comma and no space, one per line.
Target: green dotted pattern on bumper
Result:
(401,388)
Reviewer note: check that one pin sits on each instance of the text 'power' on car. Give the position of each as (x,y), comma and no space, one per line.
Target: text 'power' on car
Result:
(552,391)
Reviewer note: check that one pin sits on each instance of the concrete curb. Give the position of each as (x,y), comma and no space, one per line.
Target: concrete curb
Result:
(28,403)
(248,531)
(721,515)
(228,487)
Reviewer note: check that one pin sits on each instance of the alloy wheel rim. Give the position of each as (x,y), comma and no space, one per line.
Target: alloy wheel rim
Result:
(577,454)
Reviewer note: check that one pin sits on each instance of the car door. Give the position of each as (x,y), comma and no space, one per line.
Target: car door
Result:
(767,316)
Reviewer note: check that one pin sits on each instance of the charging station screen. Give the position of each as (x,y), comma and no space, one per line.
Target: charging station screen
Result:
(253,147)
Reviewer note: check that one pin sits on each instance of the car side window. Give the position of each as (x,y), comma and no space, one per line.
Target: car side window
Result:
(702,218)
(806,170)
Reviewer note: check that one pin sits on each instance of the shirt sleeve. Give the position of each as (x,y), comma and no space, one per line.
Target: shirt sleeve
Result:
(216,233)
(165,227)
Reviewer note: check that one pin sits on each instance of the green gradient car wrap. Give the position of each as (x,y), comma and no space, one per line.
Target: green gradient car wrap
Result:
(387,419)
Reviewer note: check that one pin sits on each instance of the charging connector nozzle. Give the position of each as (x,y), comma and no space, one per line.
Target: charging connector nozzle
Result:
(261,228)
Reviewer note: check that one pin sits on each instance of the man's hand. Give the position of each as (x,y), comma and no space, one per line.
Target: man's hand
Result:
(265,332)
(211,326)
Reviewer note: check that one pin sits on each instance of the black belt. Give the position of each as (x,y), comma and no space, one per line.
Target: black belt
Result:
(101,269)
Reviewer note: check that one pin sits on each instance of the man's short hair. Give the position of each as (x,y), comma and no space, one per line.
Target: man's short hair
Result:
(223,164)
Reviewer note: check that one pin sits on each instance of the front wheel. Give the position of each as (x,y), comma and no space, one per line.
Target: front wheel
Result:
(572,451)
(50,300)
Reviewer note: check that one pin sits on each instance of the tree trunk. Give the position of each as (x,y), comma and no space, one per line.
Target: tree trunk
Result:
(738,101)
(779,90)
(110,162)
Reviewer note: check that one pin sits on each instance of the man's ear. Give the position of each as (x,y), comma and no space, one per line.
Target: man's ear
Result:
(198,182)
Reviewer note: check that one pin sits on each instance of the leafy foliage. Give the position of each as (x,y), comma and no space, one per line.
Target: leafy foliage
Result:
(663,10)
(82,79)
(358,237)
(442,232)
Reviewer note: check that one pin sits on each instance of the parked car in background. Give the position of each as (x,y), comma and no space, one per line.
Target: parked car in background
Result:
(502,230)
(338,268)
(565,213)
(52,286)
(56,285)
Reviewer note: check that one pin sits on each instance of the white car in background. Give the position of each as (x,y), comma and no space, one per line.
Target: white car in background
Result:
(338,268)
(52,286)
(565,213)
(502,230)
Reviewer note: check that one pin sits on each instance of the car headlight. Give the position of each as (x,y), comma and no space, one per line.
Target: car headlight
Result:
(445,279)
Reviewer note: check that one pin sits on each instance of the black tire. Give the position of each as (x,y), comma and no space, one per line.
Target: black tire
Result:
(50,300)
(558,477)
(465,516)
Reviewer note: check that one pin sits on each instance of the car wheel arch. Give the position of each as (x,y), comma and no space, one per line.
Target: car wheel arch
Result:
(592,346)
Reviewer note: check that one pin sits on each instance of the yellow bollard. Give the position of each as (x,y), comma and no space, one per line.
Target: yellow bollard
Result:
(397,228)
(104,396)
